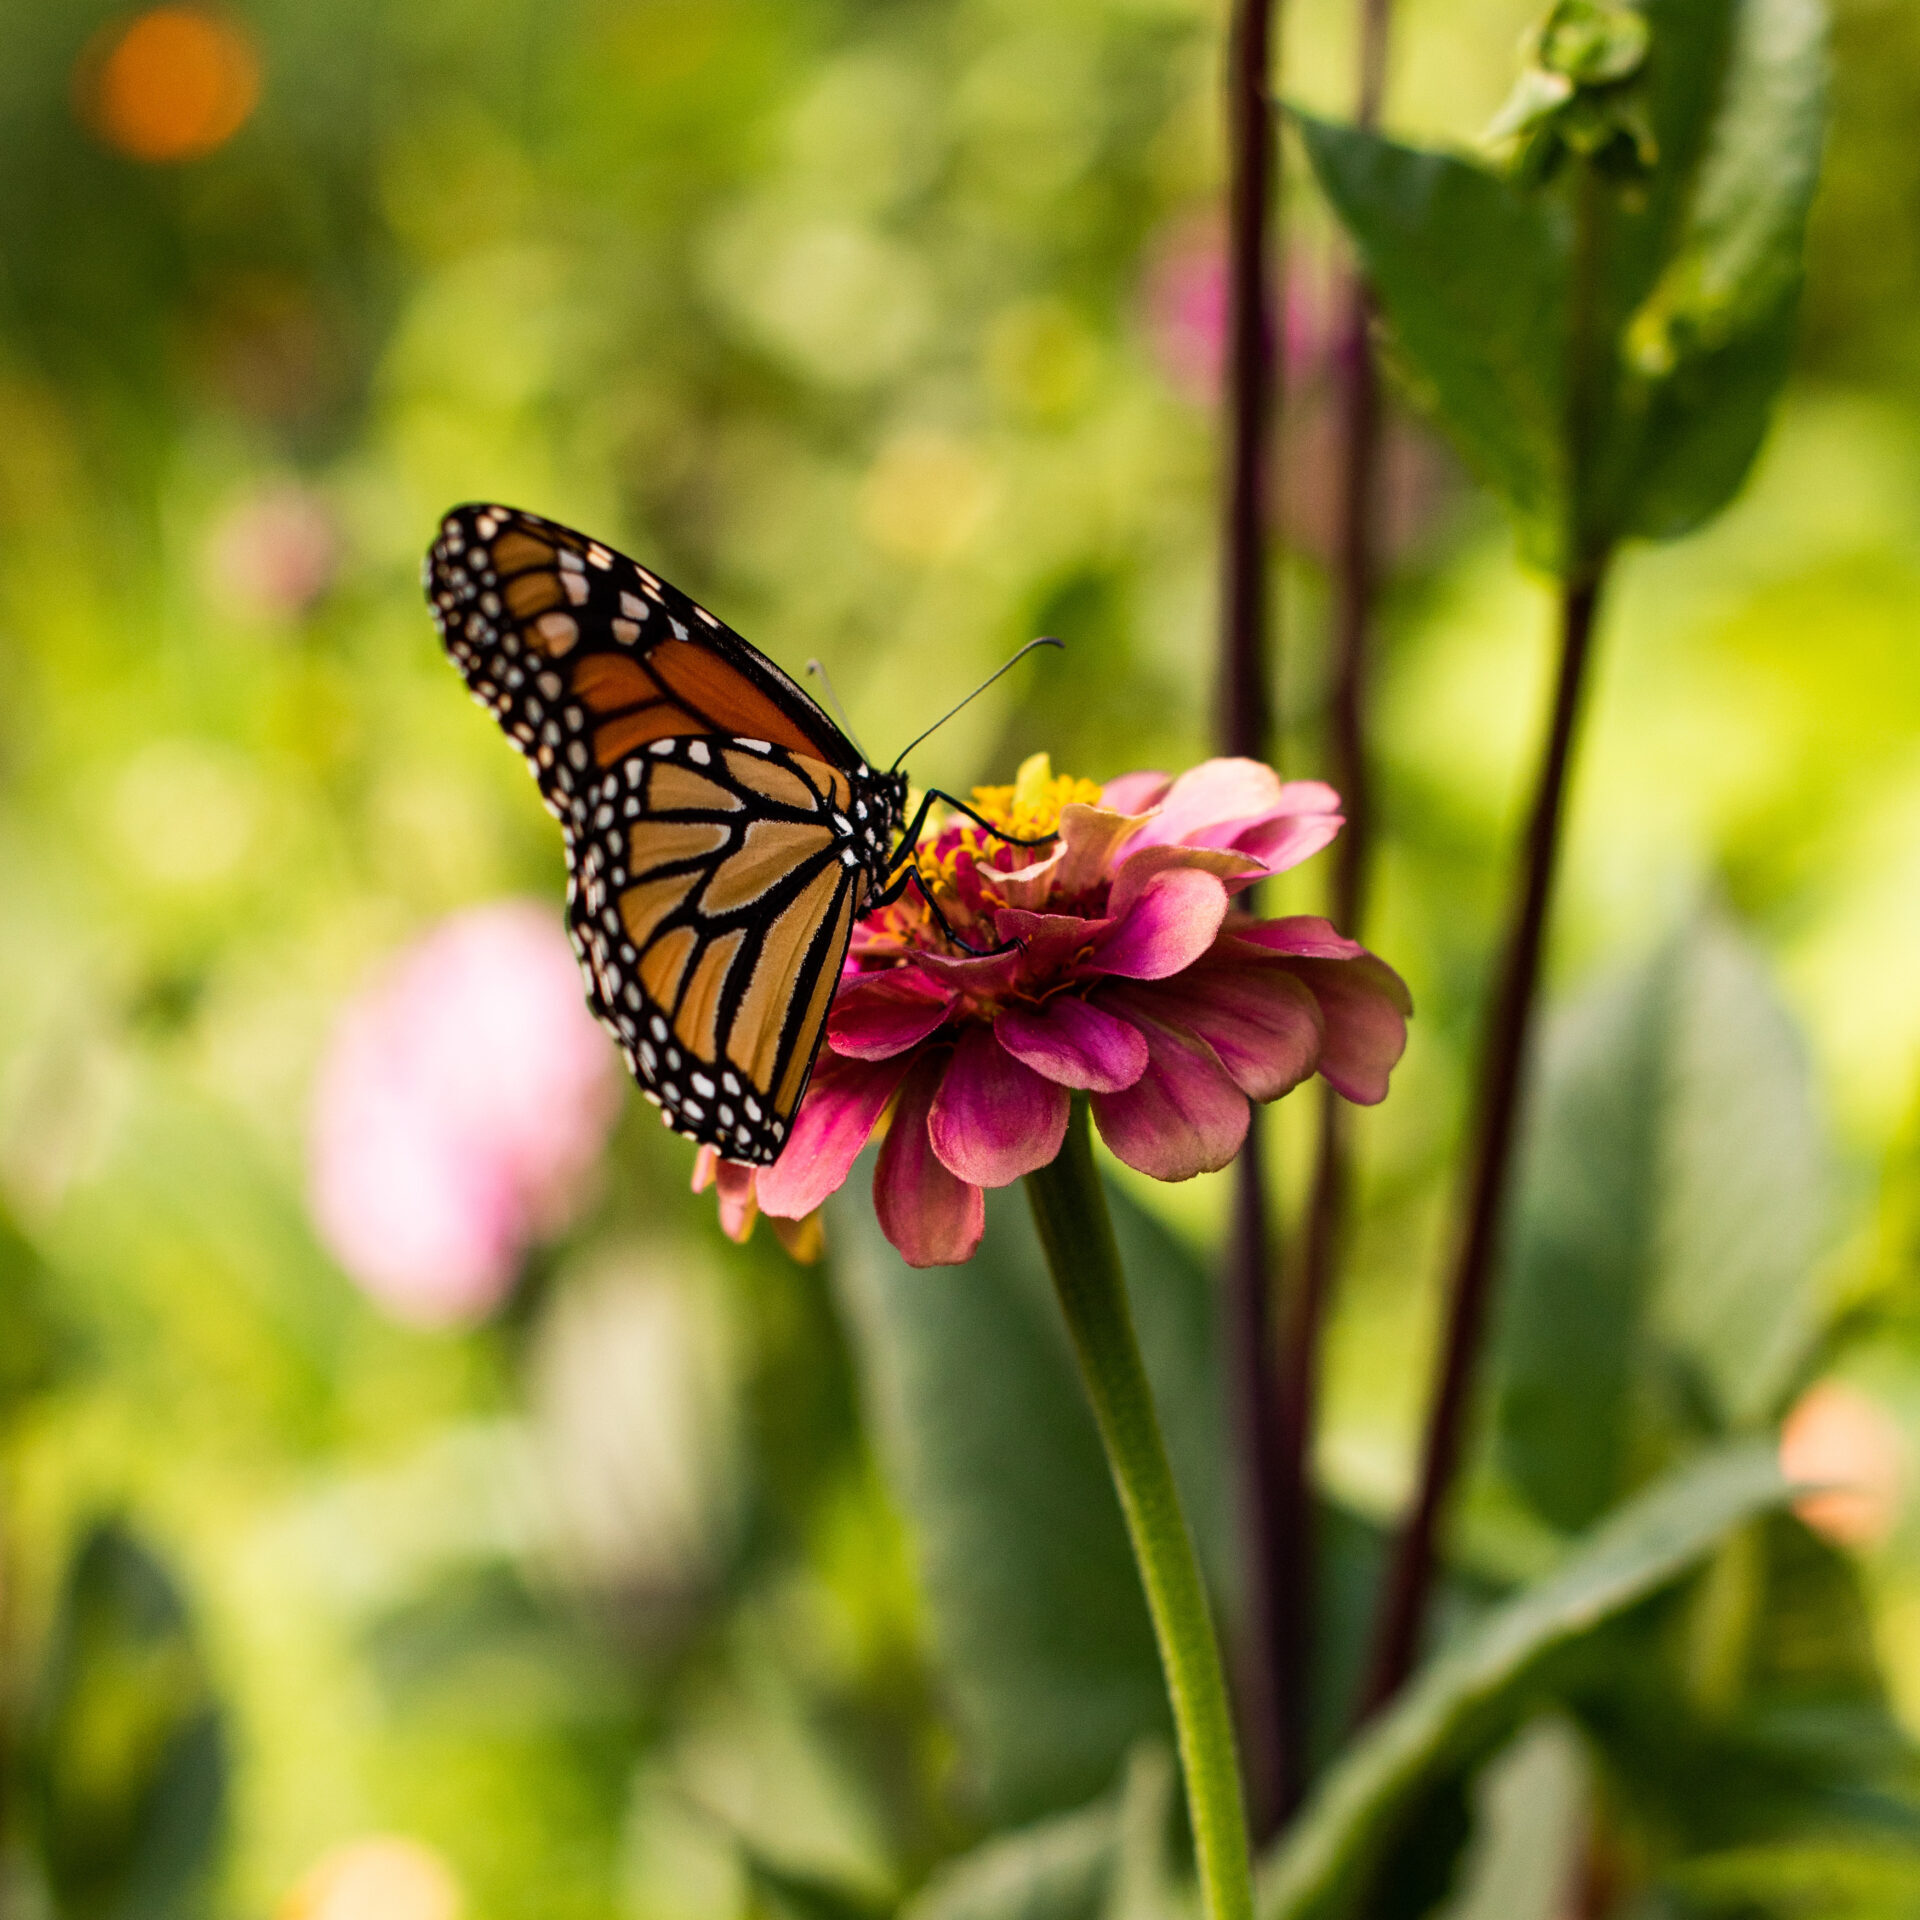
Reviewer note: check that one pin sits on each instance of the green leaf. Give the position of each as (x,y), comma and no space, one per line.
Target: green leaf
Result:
(127,1757)
(1673,1198)
(1473,274)
(1739,250)
(1058,1869)
(1464,1700)
(1103,1862)
(1751,1709)
(1833,1880)
(1034,1607)
(1678,281)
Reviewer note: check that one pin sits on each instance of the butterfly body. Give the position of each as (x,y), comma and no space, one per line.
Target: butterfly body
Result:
(722,834)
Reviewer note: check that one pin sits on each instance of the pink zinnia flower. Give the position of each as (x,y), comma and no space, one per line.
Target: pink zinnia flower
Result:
(1130,976)
(463,1101)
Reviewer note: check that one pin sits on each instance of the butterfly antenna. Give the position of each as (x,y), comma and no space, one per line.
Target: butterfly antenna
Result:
(818,670)
(1045,640)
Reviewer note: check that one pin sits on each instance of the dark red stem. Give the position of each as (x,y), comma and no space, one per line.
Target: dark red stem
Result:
(1245,694)
(1356,566)
(1410,1578)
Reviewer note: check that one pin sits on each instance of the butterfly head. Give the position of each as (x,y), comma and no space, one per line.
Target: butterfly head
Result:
(880,812)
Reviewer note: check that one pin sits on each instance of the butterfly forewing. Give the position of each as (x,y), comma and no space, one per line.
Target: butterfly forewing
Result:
(721,831)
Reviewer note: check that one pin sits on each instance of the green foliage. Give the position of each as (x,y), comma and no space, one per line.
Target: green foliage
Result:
(1473,1692)
(856,319)
(1660,1282)
(127,1761)
(1038,1623)
(1107,1861)
(1603,340)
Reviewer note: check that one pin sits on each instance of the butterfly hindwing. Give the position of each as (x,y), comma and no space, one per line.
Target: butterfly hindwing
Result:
(721,831)
(712,904)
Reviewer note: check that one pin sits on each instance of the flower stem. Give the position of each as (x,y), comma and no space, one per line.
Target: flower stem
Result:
(1497,1105)
(1496,1109)
(1071,1213)
(1357,555)
(1250,404)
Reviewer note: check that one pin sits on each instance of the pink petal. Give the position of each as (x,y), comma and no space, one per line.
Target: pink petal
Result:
(1205,797)
(1165,929)
(1050,943)
(1134,792)
(1234,869)
(1031,885)
(1075,1043)
(842,1106)
(994,1117)
(1287,839)
(932,1217)
(1264,1024)
(1089,844)
(877,1015)
(1364,1006)
(1182,1116)
(1305,934)
(986,973)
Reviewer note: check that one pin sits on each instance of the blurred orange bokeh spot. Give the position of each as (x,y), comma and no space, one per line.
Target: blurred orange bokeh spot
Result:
(1850,1447)
(172,83)
(382,1877)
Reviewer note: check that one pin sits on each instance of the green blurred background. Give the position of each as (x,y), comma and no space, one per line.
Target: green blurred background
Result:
(885,328)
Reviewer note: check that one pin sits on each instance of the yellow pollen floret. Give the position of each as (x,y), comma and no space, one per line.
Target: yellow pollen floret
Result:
(1031,807)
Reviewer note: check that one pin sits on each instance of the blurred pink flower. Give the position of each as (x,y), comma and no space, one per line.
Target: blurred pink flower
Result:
(1186,312)
(1849,1446)
(1128,974)
(274,553)
(463,1101)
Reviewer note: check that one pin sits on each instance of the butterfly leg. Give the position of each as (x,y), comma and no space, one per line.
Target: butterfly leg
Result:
(910,875)
(960,806)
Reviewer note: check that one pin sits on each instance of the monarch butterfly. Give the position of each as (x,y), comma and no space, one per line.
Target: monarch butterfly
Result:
(722,833)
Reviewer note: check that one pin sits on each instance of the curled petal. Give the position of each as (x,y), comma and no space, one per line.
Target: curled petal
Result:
(1232,868)
(1364,1006)
(877,1015)
(994,1117)
(1305,934)
(1076,1043)
(1090,842)
(984,973)
(1135,792)
(932,1216)
(1049,943)
(1286,839)
(1168,925)
(1182,1116)
(842,1106)
(1264,1024)
(1031,885)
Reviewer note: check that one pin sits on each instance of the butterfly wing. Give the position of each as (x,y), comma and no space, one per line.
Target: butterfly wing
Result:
(714,849)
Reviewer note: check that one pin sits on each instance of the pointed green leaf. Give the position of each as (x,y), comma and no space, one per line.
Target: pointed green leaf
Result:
(1679,286)
(1471,1693)
(1473,274)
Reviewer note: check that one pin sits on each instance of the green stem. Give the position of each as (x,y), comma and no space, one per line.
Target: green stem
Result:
(1071,1212)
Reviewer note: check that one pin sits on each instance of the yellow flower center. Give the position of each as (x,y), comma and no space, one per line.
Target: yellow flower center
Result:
(1032,806)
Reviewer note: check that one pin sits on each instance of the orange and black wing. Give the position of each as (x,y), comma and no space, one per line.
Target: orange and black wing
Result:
(714,869)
